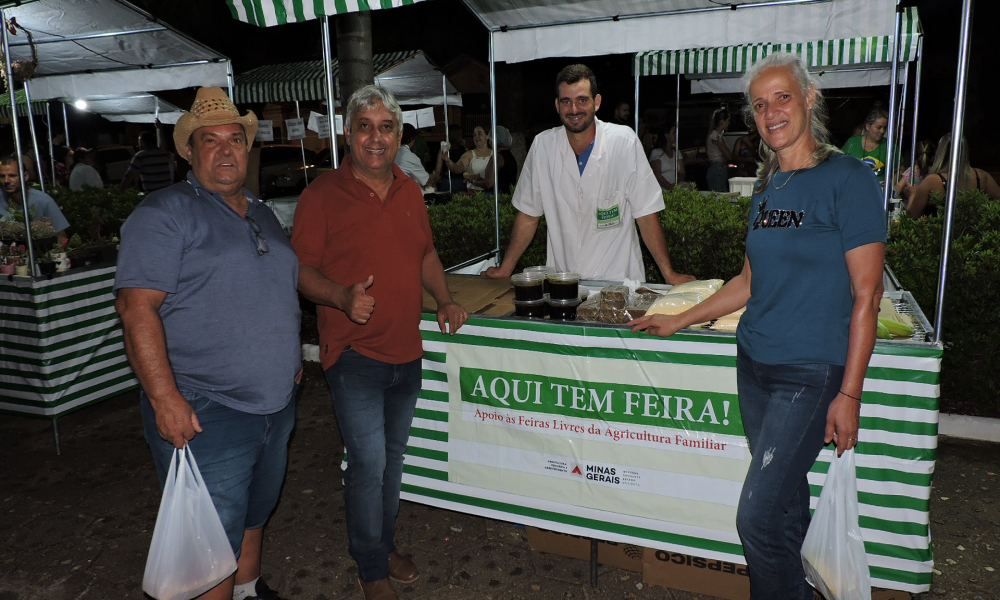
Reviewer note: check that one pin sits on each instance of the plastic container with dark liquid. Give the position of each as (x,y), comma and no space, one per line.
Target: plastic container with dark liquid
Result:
(562,310)
(528,286)
(530,308)
(564,286)
(544,270)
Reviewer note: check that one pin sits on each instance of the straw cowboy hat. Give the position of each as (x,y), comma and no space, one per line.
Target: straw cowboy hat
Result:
(211,107)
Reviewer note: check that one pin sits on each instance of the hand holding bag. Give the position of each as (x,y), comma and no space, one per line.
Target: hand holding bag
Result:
(190,553)
(833,552)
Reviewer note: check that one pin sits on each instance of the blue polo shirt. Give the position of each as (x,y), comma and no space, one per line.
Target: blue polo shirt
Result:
(44,206)
(231,316)
(800,304)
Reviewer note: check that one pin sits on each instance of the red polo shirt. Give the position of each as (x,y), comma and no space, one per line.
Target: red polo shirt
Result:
(345,231)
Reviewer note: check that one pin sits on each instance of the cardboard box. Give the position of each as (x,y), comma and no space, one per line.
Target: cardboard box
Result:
(880,594)
(693,574)
(478,295)
(623,556)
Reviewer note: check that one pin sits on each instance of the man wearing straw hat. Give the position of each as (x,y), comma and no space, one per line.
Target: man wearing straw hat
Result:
(206,290)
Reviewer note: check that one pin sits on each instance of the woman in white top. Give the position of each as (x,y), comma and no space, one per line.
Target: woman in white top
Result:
(661,159)
(472,164)
(718,152)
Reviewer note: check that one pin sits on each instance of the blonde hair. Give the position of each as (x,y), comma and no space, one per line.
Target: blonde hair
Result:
(768,165)
(942,161)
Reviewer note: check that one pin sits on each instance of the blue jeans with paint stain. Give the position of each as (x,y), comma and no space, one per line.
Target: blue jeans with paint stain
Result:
(374,401)
(784,416)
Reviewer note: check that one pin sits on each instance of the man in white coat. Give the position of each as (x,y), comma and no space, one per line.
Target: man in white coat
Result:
(591,180)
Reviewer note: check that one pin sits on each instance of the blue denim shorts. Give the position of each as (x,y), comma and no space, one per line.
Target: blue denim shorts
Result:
(242,458)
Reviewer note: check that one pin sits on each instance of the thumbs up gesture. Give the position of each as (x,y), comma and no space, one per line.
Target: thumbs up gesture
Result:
(358,305)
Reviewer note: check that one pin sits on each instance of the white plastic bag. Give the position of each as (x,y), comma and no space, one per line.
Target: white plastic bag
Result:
(833,552)
(190,553)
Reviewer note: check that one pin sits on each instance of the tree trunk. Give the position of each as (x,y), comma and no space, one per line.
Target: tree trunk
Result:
(354,52)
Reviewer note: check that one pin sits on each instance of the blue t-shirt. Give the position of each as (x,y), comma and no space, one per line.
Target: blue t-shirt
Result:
(800,305)
(44,205)
(231,316)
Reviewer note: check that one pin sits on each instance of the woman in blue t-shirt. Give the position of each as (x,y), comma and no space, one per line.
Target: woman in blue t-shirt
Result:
(811,283)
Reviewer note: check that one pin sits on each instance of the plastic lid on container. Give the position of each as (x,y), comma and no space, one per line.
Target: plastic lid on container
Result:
(539,269)
(527,278)
(562,303)
(563,277)
(538,302)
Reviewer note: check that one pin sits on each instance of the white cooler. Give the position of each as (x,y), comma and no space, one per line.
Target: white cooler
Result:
(742,185)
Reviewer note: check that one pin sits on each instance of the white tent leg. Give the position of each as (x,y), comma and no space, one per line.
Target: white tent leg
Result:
(330,95)
(496,179)
(677,131)
(637,105)
(66,126)
(890,153)
(48,124)
(916,106)
(302,146)
(34,139)
(957,124)
(447,124)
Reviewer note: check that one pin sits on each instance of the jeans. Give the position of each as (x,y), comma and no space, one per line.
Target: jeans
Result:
(784,416)
(374,401)
(718,177)
(242,458)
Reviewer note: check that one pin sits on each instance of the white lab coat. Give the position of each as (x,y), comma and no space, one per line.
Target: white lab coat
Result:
(590,217)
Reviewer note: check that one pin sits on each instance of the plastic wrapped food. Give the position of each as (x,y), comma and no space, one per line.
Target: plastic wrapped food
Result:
(590,309)
(675,303)
(614,296)
(707,287)
(729,322)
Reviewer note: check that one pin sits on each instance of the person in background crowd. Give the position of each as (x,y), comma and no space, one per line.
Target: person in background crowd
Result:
(453,149)
(411,164)
(206,291)
(971,178)
(622,115)
(473,163)
(64,162)
(152,167)
(870,147)
(83,172)
(668,171)
(718,152)
(364,244)
(507,166)
(39,202)
(592,182)
(746,153)
(911,178)
(811,284)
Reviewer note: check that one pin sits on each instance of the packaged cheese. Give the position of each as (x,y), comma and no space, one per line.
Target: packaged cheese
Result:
(729,322)
(707,287)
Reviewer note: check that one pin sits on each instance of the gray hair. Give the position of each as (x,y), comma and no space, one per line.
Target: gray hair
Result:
(817,119)
(874,115)
(369,97)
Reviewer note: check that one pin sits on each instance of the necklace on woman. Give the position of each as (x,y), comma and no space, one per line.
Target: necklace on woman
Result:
(802,166)
(864,144)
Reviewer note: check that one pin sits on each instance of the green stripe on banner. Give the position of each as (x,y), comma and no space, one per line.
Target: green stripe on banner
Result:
(897,527)
(435,375)
(59,285)
(64,386)
(49,361)
(51,348)
(430,415)
(56,331)
(887,475)
(71,410)
(54,318)
(880,449)
(427,453)
(299,10)
(914,554)
(901,576)
(901,400)
(569,519)
(891,374)
(908,351)
(425,472)
(62,372)
(429,434)
(340,6)
(363,5)
(280,15)
(66,398)
(433,396)
(895,426)
(883,500)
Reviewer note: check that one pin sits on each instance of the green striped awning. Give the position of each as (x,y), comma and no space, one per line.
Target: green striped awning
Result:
(301,80)
(37,106)
(818,54)
(266,13)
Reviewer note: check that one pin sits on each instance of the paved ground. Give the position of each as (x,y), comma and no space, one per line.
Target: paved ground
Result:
(77,526)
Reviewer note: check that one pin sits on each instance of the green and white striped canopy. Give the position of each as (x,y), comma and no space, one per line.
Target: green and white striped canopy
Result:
(37,106)
(266,13)
(818,54)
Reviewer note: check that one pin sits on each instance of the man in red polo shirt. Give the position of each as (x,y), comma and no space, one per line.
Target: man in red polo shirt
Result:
(364,245)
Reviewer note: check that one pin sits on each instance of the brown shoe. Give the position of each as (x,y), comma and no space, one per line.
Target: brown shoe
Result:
(378,590)
(402,569)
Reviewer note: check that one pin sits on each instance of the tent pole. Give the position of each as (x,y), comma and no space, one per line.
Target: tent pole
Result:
(961,76)
(34,139)
(229,80)
(66,126)
(447,124)
(677,132)
(890,151)
(902,119)
(496,174)
(637,105)
(48,124)
(12,95)
(916,107)
(330,96)
(302,146)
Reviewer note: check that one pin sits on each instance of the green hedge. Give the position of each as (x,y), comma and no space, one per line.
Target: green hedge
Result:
(970,376)
(95,214)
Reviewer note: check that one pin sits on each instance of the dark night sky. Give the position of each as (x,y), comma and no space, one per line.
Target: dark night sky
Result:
(445,28)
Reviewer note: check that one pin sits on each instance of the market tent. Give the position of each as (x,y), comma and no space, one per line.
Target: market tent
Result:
(131,108)
(37,106)
(93,47)
(851,62)
(410,76)
(278,12)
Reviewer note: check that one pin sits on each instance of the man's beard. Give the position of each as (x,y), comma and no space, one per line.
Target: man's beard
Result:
(583,126)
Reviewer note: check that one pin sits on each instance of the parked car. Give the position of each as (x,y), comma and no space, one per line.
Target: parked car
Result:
(292,181)
(278,166)
(113,161)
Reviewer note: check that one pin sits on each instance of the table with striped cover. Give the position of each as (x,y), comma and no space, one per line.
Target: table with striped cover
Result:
(895,455)
(61,343)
